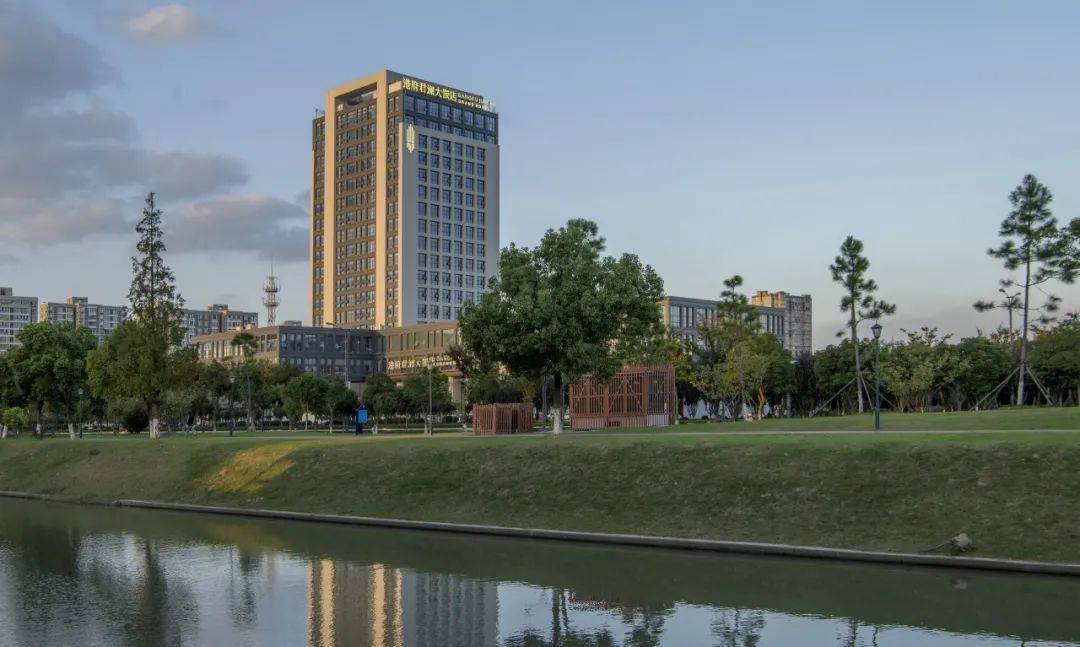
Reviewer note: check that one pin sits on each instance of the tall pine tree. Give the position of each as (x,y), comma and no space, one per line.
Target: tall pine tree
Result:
(153,296)
(849,270)
(1035,246)
(155,304)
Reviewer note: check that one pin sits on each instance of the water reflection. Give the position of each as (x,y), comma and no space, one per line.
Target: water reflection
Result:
(97,576)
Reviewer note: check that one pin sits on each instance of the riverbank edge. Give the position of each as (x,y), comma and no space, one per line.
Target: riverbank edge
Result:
(649,541)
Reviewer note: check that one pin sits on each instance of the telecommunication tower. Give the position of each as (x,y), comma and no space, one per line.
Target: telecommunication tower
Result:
(270,296)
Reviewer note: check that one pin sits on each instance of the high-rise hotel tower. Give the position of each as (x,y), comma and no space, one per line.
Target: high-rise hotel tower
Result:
(404,202)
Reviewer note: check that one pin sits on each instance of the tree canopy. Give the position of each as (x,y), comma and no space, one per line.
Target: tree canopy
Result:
(563,309)
(50,369)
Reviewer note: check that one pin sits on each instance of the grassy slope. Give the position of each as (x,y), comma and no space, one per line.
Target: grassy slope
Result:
(1016,494)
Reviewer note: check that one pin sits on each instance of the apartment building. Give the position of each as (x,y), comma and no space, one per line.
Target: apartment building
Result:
(16,313)
(100,319)
(216,318)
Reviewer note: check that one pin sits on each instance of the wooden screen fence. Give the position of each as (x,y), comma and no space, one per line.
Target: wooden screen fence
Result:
(643,396)
(492,419)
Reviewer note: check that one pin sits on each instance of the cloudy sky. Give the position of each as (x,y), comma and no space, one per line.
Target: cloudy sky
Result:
(709,137)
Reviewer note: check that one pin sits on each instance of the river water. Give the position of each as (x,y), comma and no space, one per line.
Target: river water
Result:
(84,575)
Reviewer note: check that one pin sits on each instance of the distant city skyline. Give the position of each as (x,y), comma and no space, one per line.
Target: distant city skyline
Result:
(708,138)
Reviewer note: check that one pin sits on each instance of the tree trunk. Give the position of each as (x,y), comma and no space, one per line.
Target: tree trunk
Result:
(858,360)
(1024,336)
(154,430)
(557,423)
(71,431)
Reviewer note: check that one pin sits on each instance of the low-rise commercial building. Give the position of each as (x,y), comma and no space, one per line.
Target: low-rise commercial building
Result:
(16,313)
(317,350)
(787,316)
(398,352)
(99,319)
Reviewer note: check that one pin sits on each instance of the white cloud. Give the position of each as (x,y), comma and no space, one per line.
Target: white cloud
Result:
(167,23)
(253,224)
(73,168)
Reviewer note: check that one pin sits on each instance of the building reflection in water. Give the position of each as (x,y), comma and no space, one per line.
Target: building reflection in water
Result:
(372,604)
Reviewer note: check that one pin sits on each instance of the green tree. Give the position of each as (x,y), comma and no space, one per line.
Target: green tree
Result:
(835,370)
(305,395)
(128,366)
(153,296)
(155,307)
(1055,355)
(246,374)
(9,388)
(1034,246)
(850,271)
(178,406)
(50,369)
(426,392)
(493,387)
(723,366)
(132,414)
(214,383)
(564,310)
(382,397)
(913,371)
(806,392)
(13,420)
(341,401)
(984,364)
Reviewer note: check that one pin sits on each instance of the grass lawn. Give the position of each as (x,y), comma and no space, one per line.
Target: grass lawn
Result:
(1016,494)
(994,419)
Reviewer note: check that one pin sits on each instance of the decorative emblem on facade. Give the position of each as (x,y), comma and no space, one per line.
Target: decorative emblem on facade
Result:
(410,138)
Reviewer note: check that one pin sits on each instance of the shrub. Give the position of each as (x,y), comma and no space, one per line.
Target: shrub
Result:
(14,418)
(134,417)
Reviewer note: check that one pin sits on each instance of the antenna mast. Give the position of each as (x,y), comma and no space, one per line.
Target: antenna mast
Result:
(270,296)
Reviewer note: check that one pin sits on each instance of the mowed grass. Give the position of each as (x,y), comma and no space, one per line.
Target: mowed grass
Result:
(1017,494)
(1028,418)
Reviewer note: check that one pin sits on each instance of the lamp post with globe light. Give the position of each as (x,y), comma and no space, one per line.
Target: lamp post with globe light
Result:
(876,329)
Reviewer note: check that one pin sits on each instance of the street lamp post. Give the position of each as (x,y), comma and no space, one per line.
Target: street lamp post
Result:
(429,371)
(876,329)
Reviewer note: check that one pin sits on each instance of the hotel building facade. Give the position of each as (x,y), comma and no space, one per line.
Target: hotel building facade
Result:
(404,202)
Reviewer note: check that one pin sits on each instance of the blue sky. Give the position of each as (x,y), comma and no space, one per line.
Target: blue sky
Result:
(756,134)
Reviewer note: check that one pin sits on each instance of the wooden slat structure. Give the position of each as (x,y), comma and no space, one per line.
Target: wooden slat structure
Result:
(643,396)
(496,419)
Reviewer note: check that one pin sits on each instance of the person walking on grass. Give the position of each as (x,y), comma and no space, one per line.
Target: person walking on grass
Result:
(361,418)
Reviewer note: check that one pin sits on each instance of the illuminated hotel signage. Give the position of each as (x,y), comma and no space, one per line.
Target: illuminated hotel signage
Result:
(440,92)
(409,364)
